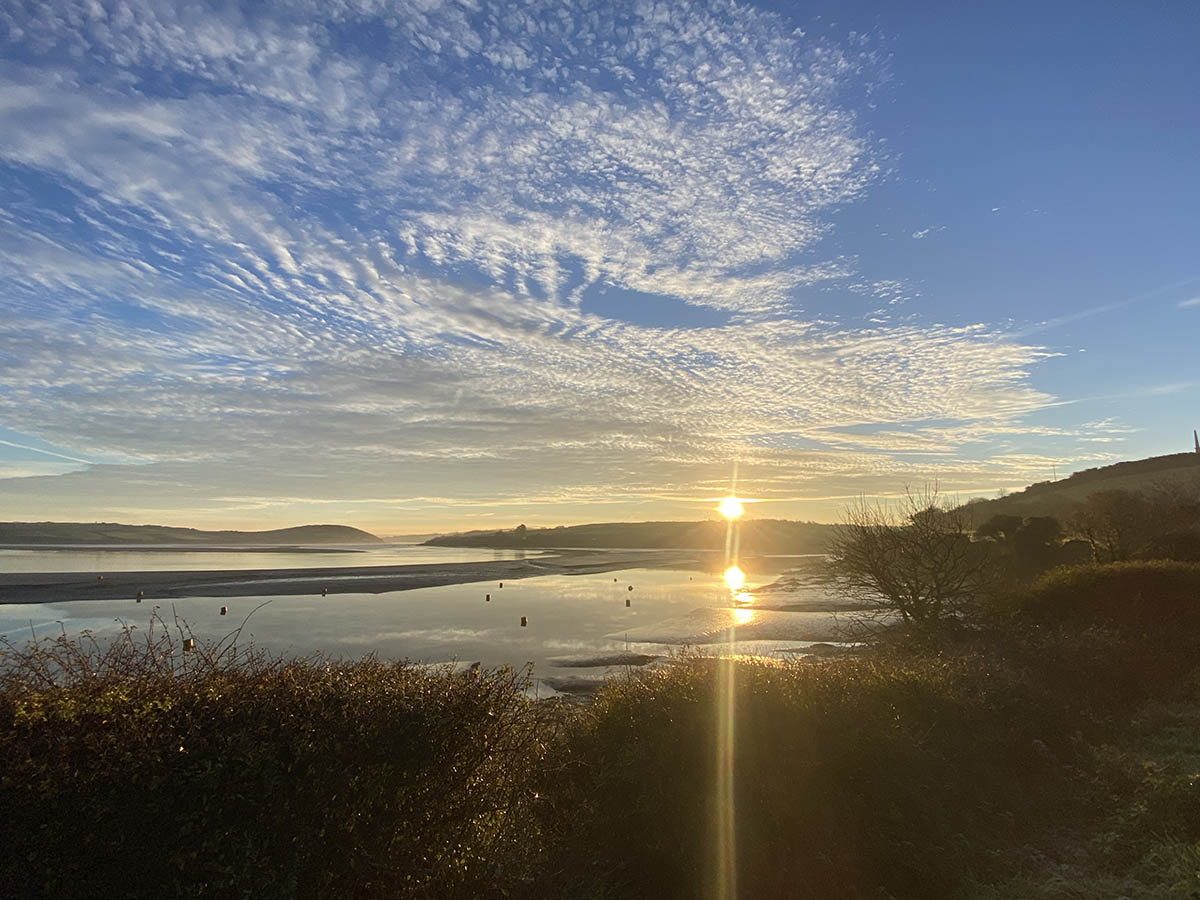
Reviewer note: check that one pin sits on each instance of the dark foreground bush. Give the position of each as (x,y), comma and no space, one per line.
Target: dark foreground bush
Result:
(850,779)
(140,771)
(1145,614)
(1158,596)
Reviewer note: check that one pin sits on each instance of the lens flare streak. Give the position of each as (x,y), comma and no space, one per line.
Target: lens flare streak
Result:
(726,828)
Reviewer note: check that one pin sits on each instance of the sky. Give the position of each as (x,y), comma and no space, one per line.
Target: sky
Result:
(421,265)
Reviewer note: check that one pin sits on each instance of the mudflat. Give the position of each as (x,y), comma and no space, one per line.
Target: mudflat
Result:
(59,587)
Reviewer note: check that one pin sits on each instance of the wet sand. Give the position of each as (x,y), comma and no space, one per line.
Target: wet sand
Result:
(59,587)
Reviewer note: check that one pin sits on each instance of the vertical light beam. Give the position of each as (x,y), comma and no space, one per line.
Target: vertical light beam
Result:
(726,699)
(726,824)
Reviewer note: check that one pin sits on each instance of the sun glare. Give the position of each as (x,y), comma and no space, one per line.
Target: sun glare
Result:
(735,578)
(730,508)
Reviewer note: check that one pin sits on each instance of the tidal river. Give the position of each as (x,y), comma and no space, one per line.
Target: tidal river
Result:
(578,628)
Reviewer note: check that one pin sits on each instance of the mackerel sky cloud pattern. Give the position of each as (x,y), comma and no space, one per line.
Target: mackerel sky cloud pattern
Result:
(375,258)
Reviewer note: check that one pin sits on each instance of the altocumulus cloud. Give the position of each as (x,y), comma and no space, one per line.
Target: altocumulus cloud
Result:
(286,254)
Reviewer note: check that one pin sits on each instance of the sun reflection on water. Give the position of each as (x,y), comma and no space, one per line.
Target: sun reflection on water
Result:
(735,578)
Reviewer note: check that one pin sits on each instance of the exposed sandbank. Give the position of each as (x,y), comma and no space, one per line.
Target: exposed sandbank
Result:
(59,587)
(181,548)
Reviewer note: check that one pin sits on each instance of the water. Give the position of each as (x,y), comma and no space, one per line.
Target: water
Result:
(149,559)
(579,626)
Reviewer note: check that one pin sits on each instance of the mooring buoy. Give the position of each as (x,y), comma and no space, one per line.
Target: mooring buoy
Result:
(631,587)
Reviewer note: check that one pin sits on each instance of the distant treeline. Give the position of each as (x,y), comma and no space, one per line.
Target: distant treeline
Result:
(113,533)
(755,535)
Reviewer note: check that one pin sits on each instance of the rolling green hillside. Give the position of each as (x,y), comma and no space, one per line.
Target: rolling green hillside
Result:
(1059,498)
(113,533)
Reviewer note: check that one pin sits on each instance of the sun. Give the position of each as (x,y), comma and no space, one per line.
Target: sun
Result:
(730,507)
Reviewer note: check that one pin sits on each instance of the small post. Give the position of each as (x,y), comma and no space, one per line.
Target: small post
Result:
(524,621)
(99,577)
(627,602)
(224,610)
(324,592)
(487,598)
(502,584)
(189,644)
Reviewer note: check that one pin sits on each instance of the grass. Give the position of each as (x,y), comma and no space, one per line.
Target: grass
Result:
(1000,762)
(1142,839)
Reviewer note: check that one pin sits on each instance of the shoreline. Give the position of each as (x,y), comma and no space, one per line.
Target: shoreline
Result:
(63,587)
(186,548)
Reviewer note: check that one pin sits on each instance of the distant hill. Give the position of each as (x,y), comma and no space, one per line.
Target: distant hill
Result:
(757,536)
(1059,498)
(113,533)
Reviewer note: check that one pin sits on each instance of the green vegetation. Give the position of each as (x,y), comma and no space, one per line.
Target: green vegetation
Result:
(113,533)
(1159,597)
(1061,498)
(1141,840)
(756,535)
(140,769)
(994,761)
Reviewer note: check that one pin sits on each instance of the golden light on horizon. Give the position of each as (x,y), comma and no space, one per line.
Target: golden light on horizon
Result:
(735,578)
(731,507)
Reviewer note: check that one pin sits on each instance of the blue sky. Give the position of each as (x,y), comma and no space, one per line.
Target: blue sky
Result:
(424,265)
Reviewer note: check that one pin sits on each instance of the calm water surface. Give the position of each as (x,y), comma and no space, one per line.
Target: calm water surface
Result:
(144,559)
(575,623)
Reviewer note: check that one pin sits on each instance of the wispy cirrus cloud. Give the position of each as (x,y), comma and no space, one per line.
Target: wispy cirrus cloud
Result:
(364,240)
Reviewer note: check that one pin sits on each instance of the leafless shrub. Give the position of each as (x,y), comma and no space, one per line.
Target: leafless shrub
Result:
(913,560)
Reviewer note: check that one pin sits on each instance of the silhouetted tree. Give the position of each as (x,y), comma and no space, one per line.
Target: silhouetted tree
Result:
(999,528)
(1115,522)
(914,559)
(1035,545)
